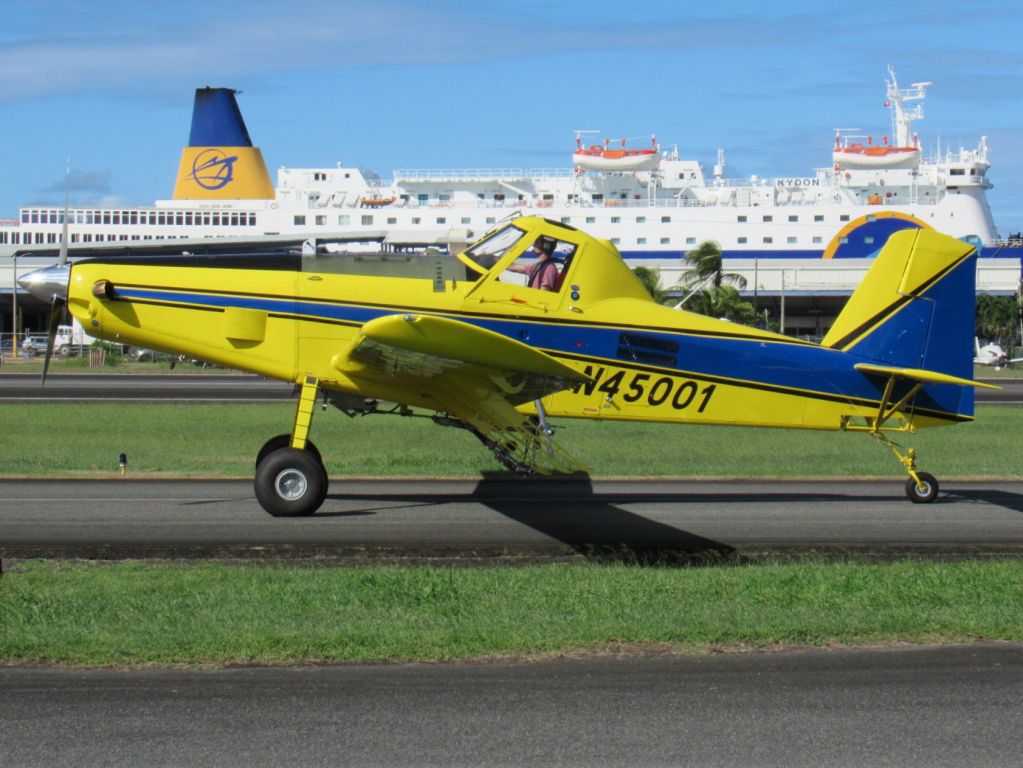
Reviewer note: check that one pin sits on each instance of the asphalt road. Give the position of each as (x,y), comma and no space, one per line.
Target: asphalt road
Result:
(25,387)
(501,518)
(904,707)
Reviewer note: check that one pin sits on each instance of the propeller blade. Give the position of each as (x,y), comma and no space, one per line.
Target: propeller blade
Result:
(57,307)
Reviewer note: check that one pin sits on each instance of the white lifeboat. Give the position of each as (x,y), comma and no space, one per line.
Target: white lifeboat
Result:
(856,154)
(605,157)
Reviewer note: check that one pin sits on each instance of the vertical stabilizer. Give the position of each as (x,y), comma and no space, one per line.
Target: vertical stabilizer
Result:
(915,306)
(220,162)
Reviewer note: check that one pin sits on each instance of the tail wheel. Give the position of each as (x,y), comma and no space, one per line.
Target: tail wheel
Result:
(284,441)
(290,483)
(925,492)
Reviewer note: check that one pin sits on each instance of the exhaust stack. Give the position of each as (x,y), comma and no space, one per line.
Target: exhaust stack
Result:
(220,162)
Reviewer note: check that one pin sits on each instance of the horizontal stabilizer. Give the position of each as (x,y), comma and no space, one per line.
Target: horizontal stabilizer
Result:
(919,374)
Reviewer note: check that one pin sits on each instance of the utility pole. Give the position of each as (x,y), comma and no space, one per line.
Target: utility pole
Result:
(756,269)
(781,327)
(14,308)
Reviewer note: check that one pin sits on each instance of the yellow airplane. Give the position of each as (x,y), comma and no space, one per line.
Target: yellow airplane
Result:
(534,321)
(468,339)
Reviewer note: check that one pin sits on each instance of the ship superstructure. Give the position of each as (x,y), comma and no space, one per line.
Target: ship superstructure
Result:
(652,203)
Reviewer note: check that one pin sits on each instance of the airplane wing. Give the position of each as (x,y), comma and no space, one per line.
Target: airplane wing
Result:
(478,376)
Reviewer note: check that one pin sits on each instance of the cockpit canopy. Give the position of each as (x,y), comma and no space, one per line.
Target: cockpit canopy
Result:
(520,256)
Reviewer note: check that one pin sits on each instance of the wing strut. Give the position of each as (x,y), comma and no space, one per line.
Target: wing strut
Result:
(545,428)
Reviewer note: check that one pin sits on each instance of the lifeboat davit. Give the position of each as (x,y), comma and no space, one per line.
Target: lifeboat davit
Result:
(858,155)
(604,157)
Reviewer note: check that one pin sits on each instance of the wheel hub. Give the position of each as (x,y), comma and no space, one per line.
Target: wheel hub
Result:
(291,484)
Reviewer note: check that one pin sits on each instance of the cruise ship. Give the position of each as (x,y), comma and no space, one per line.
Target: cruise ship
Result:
(651,202)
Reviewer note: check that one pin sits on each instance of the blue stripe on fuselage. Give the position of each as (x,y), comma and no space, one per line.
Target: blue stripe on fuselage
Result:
(762,363)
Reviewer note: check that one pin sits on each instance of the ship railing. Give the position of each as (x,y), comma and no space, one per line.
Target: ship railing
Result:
(477,174)
(656,203)
(662,203)
(1013,241)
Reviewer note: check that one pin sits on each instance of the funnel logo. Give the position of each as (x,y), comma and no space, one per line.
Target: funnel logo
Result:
(213,169)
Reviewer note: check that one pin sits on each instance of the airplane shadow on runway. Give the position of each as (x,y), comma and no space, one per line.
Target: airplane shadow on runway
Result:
(596,526)
(1003,499)
(593,524)
(573,514)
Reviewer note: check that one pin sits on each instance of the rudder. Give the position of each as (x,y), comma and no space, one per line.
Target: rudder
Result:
(915,307)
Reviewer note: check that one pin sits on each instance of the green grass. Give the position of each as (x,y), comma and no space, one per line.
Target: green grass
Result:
(221,440)
(132,613)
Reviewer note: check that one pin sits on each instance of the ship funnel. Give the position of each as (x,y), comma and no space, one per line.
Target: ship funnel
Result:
(220,162)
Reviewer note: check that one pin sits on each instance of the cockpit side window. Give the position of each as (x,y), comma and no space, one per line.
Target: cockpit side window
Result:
(486,253)
(542,266)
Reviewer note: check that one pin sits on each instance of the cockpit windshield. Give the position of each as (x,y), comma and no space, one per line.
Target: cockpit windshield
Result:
(486,253)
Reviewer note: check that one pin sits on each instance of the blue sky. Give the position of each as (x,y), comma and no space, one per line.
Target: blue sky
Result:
(429,84)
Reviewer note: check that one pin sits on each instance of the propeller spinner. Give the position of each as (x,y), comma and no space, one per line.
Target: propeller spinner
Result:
(49,284)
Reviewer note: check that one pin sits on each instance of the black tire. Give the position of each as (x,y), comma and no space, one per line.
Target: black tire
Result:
(284,441)
(63,350)
(290,483)
(927,493)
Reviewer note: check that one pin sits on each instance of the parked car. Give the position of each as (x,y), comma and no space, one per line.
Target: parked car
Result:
(35,343)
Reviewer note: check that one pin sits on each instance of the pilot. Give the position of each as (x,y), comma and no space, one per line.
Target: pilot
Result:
(543,273)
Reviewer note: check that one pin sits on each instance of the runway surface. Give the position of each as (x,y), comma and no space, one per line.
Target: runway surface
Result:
(86,387)
(504,519)
(24,387)
(930,707)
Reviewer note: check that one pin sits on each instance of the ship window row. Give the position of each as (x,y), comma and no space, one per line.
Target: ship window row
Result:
(768,218)
(768,240)
(141,218)
(54,238)
(345,220)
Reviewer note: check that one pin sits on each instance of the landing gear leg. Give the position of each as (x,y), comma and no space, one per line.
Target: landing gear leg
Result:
(290,477)
(921,487)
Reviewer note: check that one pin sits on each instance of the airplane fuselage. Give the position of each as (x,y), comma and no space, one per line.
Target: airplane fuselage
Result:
(640,361)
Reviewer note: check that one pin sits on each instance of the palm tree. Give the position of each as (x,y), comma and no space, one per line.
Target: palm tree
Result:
(651,279)
(705,266)
(997,318)
(722,301)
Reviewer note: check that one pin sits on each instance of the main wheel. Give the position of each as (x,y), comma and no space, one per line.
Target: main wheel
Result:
(284,441)
(290,483)
(925,492)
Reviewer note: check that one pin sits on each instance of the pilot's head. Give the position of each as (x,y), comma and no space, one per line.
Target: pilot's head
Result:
(543,247)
